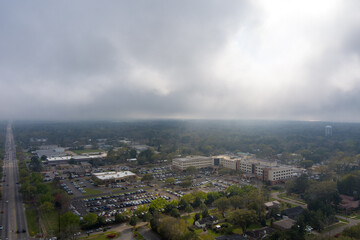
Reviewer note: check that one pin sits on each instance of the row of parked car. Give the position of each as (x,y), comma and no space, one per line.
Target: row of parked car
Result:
(176,193)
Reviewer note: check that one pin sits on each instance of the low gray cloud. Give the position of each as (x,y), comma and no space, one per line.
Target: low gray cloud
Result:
(180,59)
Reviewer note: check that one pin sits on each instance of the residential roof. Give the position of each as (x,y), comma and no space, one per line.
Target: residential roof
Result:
(293,213)
(209,219)
(231,237)
(259,234)
(284,224)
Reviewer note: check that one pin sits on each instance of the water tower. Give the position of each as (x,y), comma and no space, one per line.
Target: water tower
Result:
(328,131)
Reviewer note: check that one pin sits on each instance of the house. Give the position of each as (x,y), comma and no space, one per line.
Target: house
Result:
(348,203)
(269,205)
(259,234)
(284,224)
(231,237)
(208,221)
(293,213)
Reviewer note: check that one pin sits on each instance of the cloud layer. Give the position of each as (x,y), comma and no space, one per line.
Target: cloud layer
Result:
(262,59)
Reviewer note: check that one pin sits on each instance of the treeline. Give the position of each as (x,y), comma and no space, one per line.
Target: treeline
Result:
(264,138)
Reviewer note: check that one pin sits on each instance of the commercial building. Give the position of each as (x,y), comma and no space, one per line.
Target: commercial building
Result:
(193,161)
(78,158)
(278,173)
(258,168)
(108,177)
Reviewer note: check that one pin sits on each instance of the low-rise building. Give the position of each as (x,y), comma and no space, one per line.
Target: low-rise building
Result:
(108,177)
(193,161)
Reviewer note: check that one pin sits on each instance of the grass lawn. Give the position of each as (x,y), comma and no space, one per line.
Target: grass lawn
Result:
(138,236)
(210,235)
(32,221)
(101,236)
(238,231)
(189,218)
(254,227)
(336,225)
(90,191)
(286,197)
(51,221)
(86,151)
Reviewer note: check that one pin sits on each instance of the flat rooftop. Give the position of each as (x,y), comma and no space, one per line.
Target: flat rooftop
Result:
(113,175)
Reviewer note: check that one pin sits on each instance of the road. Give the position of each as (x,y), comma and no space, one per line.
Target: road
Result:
(13,217)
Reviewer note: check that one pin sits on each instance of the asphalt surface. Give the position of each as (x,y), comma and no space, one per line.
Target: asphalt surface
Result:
(13,218)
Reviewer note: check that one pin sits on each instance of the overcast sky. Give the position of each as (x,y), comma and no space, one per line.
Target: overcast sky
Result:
(278,59)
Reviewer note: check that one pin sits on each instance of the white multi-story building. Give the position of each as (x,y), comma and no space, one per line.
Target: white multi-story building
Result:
(261,169)
(193,161)
(278,173)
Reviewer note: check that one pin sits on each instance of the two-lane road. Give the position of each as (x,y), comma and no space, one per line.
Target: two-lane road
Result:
(13,216)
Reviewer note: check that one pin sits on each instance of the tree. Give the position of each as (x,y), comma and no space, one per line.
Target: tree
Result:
(141,210)
(158,204)
(222,204)
(173,228)
(147,177)
(69,219)
(242,218)
(120,218)
(47,207)
(133,221)
(35,164)
(170,181)
(191,170)
(146,156)
(186,183)
(211,197)
(189,208)
(89,220)
(175,213)
(196,217)
(236,201)
(62,202)
(205,213)
(196,202)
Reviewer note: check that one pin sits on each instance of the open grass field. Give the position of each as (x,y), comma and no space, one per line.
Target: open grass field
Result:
(102,236)
(90,191)
(331,227)
(32,221)
(51,221)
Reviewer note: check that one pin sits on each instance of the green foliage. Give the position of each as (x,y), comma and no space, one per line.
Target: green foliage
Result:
(35,164)
(170,181)
(242,218)
(147,177)
(133,220)
(186,183)
(191,170)
(89,221)
(158,204)
(175,213)
(298,185)
(350,184)
(222,204)
(68,219)
(176,229)
(146,156)
(211,197)
(352,232)
(120,218)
